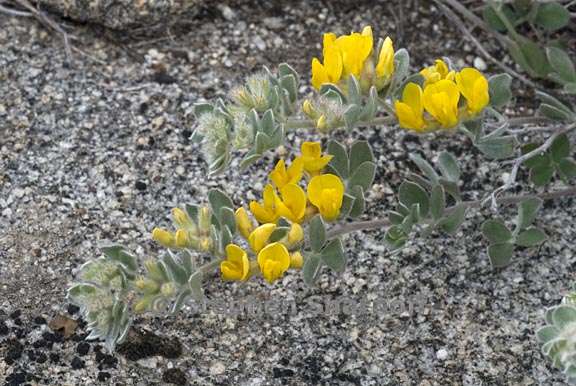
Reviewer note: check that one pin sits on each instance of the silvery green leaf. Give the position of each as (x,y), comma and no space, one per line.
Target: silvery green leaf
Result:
(227,218)
(347,204)
(339,160)
(567,169)
(560,148)
(563,315)
(552,16)
(401,65)
(395,217)
(541,175)
(498,148)
(570,88)
(425,167)
(278,137)
(531,237)
(371,106)
(262,142)
(550,100)
(192,211)
(423,182)
(395,237)
(331,91)
(499,87)
(267,123)
(554,113)
(527,211)
(311,268)
(117,253)
(201,108)
(180,300)
(352,116)
(449,166)
(561,63)
(195,284)
(411,193)
(500,254)
(317,233)
(284,69)
(333,255)
(363,176)
(175,270)
(473,129)
(451,188)
(358,205)
(451,222)
(218,200)
(288,82)
(546,334)
(249,159)
(218,164)
(360,152)
(496,231)
(437,202)
(354,93)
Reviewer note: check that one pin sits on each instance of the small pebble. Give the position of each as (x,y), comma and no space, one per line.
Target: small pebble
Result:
(77,363)
(83,348)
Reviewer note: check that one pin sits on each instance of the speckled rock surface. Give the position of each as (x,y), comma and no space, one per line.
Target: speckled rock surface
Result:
(98,150)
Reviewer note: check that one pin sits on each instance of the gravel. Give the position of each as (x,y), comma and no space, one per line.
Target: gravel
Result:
(97,150)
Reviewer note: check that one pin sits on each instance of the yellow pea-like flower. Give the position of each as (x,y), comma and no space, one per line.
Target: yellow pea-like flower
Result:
(181,238)
(259,236)
(409,110)
(237,265)
(273,261)
(474,87)
(385,65)
(326,193)
(440,99)
(181,218)
(312,157)
(164,238)
(295,235)
(296,260)
(282,176)
(243,222)
(265,212)
(293,203)
(437,72)
(355,48)
(331,70)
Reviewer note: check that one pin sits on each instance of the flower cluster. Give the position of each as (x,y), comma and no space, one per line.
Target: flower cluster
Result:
(354,54)
(438,104)
(193,234)
(284,206)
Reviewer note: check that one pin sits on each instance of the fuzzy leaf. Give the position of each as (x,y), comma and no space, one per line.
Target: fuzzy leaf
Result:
(560,148)
(363,176)
(360,152)
(561,63)
(552,16)
(437,202)
(340,160)
(567,169)
(531,237)
(411,193)
(333,255)
(498,148)
(563,315)
(317,233)
(496,232)
(449,166)
(218,200)
(499,86)
(546,334)
(527,211)
(425,167)
(311,268)
(500,254)
(359,203)
(541,175)
(452,221)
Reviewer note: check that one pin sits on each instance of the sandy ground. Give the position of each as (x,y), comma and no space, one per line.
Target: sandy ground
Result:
(97,149)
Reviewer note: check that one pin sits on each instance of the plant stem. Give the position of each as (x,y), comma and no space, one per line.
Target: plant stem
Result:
(508,200)
(209,266)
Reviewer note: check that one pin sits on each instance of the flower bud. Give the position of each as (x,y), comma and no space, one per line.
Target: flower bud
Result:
(168,289)
(163,237)
(296,260)
(205,219)
(181,238)
(309,109)
(205,244)
(244,222)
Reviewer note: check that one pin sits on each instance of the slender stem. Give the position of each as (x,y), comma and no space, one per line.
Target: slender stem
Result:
(528,120)
(508,200)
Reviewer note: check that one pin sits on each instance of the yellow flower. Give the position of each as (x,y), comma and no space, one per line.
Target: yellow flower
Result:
(296,260)
(181,238)
(440,99)
(164,238)
(331,70)
(326,193)
(410,111)
(355,48)
(293,203)
(265,212)
(181,218)
(236,266)
(281,176)
(244,222)
(312,157)
(385,65)
(474,86)
(259,237)
(295,235)
(437,72)
(273,261)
